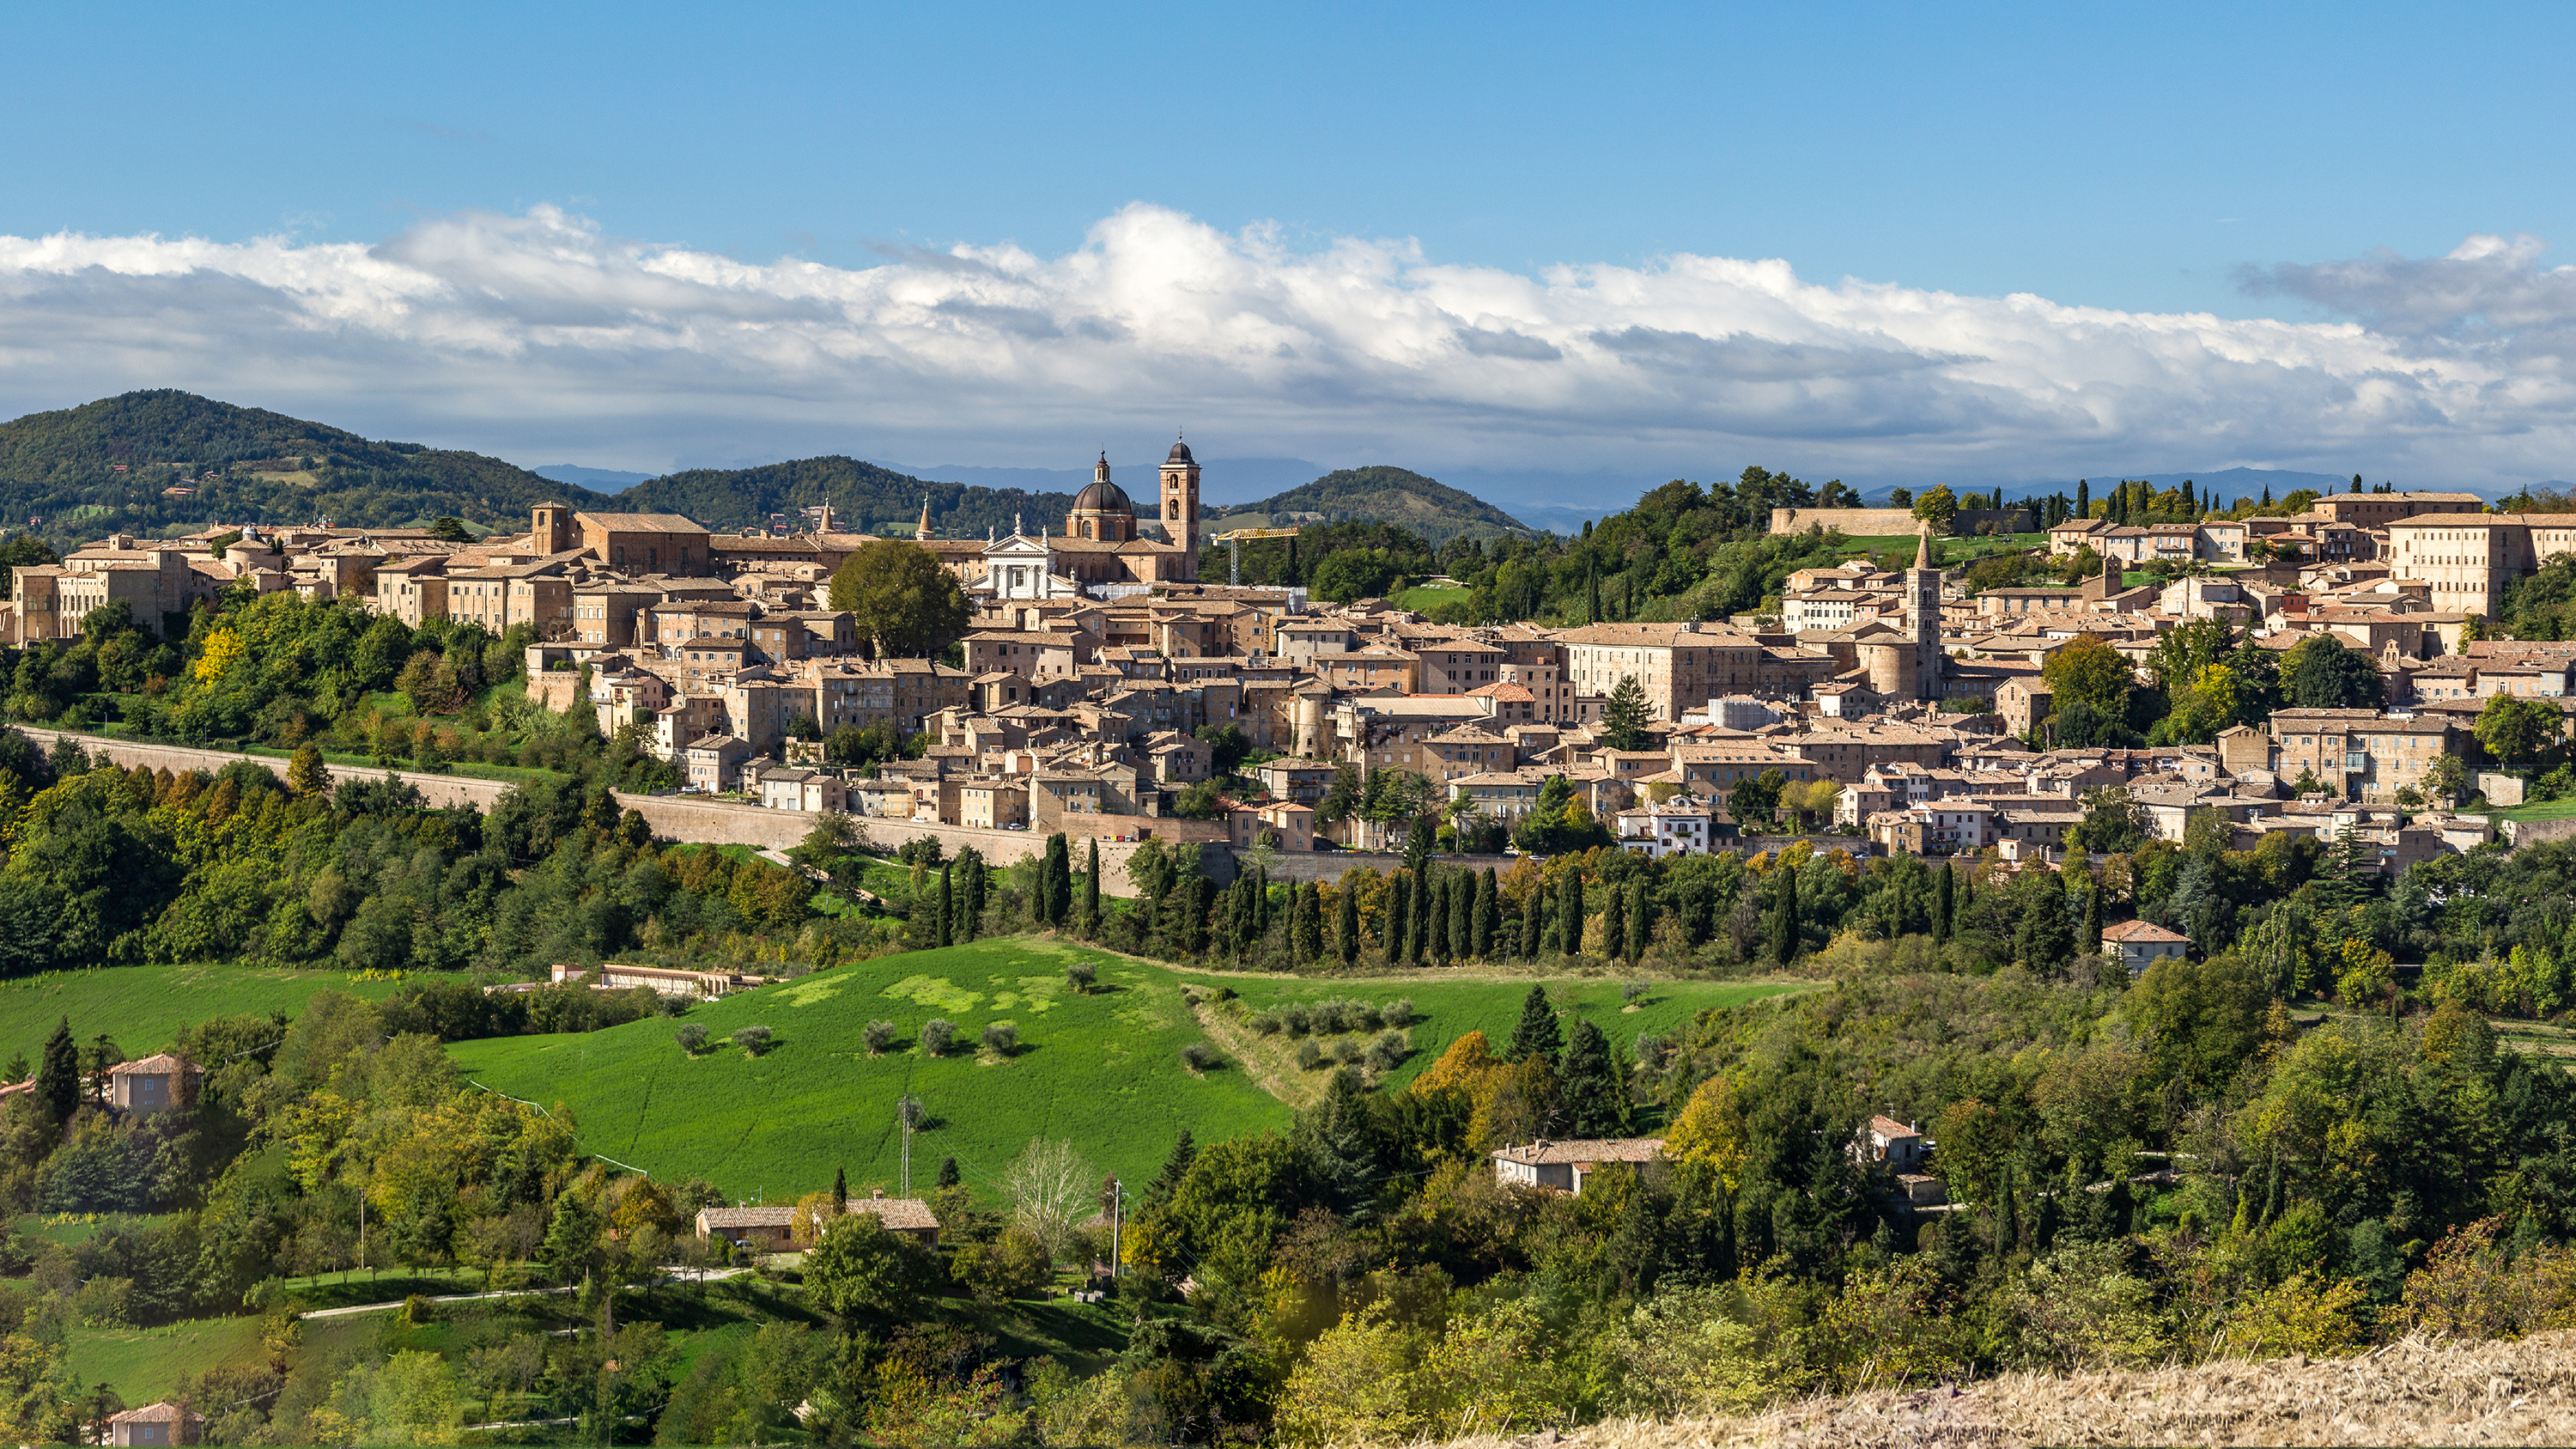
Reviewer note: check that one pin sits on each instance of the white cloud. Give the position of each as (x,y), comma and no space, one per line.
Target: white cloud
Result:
(538,332)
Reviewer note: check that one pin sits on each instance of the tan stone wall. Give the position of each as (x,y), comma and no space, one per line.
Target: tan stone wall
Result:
(714,822)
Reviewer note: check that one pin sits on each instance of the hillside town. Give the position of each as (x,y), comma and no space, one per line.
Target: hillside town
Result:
(1104,689)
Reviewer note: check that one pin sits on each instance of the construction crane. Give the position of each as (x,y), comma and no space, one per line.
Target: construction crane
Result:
(1235,541)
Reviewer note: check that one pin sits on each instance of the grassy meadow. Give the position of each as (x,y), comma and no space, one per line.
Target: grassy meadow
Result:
(1103,1070)
(1449,1004)
(144,1007)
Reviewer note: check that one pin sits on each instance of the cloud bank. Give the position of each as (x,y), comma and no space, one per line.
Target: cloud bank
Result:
(538,332)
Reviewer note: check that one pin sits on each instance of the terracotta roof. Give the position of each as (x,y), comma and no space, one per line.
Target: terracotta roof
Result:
(157,1064)
(161,1413)
(2144,933)
(1587,1149)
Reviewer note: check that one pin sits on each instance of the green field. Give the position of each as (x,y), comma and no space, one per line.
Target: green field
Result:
(1954,551)
(1421,599)
(2537,810)
(1103,1070)
(147,1363)
(1448,1005)
(144,1007)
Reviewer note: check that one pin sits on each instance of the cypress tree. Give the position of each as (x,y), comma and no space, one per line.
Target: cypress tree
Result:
(1462,917)
(1614,923)
(1417,935)
(1296,926)
(1091,893)
(1596,1102)
(947,902)
(1533,926)
(948,1174)
(1784,918)
(840,1190)
(1569,913)
(1967,893)
(1059,879)
(1640,927)
(1537,1035)
(1314,944)
(1592,582)
(2083,499)
(58,1073)
(1941,906)
(1399,914)
(1346,942)
(1489,913)
(2092,919)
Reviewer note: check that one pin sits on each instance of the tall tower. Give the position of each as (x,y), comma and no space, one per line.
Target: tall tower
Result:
(550,528)
(1181,507)
(1923,618)
(923,531)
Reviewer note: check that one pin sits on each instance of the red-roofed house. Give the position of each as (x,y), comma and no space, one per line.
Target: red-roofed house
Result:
(2142,943)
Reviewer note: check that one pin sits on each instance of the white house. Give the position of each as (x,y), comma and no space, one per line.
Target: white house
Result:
(2142,943)
(1564,1165)
(1680,827)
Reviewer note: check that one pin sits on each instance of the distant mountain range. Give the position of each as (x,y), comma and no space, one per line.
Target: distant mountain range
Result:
(1391,495)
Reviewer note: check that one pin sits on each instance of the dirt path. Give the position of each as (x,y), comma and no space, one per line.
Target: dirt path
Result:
(1269,1066)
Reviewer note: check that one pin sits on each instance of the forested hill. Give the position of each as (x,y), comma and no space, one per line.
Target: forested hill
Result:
(863,497)
(63,467)
(1385,494)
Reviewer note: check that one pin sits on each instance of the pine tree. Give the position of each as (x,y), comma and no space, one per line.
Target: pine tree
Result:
(1538,1034)
(1784,917)
(1346,940)
(1569,913)
(1624,716)
(1489,913)
(1175,1167)
(947,902)
(1091,894)
(2356,482)
(1595,1102)
(1941,888)
(1614,922)
(306,776)
(1640,925)
(58,1074)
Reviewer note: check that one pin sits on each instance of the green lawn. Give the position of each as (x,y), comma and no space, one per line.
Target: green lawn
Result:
(1954,551)
(1421,599)
(1448,1008)
(2537,810)
(1103,1070)
(144,1007)
(145,1364)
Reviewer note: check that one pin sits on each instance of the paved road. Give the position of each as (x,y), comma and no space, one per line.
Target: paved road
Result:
(669,1275)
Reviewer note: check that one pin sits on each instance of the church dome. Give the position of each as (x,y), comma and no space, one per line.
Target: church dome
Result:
(1102,496)
(1180,454)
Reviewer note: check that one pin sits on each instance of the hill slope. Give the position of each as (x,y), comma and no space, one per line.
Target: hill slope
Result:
(62,467)
(2408,1392)
(863,496)
(1427,506)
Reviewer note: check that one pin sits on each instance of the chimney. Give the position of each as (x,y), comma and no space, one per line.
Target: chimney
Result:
(879,1194)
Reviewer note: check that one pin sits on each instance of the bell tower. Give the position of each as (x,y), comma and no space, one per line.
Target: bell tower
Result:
(1923,619)
(1181,507)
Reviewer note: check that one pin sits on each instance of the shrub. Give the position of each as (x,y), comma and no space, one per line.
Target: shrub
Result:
(1388,1050)
(1080,975)
(1364,1017)
(1296,1019)
(1310,1055)
(936,1034)
(1264,1022)
(418,1309)
(1198,1056)
(692,1036)
(1001,1036)
(878,1036)
(1398,1012)
(752,1039)
(1629,991)
(922,850)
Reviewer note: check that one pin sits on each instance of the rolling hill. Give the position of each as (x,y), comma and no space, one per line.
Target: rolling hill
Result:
(104,467)
(1387,494)
(864,498)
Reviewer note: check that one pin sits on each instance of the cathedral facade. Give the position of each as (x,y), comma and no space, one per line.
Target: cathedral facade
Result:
(1102,545)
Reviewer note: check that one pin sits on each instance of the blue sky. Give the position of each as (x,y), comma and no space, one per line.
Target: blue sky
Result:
(2300,165)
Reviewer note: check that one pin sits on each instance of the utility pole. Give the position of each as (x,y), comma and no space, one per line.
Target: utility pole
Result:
(903,1110)
(1117,1223)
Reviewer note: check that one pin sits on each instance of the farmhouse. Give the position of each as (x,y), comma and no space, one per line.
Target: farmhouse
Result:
(162,1423)
(1564,1165)
(768,1229)
(2142,943)
(154,1084)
